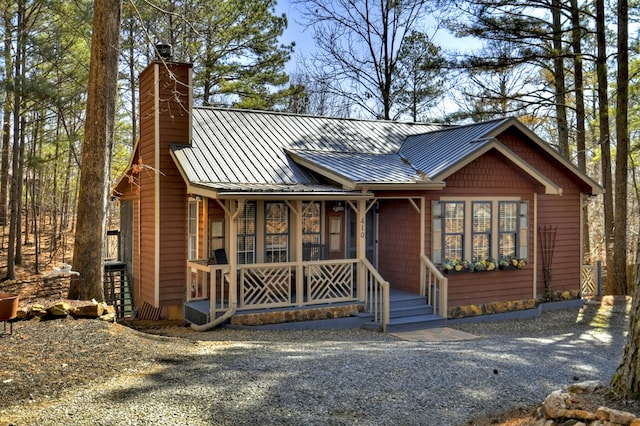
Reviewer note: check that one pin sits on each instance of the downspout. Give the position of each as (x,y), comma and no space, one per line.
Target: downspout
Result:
(233,299)
(216,322)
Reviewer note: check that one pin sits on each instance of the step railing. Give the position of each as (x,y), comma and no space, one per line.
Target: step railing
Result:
(376,295)
(434,285)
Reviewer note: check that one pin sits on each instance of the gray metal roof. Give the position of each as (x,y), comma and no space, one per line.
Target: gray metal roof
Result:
(364,167)
(246,149)
(434,152)
(269,152)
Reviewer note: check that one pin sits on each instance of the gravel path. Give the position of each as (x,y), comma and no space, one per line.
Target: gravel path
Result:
(345,377)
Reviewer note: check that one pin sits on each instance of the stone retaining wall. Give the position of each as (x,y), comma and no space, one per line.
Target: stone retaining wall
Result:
(64,309)
(307,314)
(508,306)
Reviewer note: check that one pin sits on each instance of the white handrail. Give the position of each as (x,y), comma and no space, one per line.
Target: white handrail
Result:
(433,283)
(377,295)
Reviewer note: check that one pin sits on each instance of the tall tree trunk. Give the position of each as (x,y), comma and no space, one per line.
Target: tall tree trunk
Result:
(559,84)
(625,382)
(96,151)
(622,152)
(6,119)
(603,119)
(16,161)
(131,44)
(581,145)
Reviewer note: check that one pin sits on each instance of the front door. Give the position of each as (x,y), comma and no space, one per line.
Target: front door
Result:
(335,230)
(371,234)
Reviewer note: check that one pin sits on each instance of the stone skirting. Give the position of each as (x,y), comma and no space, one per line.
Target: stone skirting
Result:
(508,306)
(303,314)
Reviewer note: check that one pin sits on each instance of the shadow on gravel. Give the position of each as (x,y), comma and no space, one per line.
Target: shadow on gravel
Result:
(344,377)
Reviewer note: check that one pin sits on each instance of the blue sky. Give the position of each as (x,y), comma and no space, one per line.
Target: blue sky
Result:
(304,38)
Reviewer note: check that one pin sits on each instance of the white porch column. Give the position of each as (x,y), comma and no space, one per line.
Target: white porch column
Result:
(233,252)
(296,208)
(423,267)
(361,246)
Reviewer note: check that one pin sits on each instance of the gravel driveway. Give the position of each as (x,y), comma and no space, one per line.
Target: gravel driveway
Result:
(345,377)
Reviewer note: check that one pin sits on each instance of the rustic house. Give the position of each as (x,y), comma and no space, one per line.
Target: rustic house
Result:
(232,211)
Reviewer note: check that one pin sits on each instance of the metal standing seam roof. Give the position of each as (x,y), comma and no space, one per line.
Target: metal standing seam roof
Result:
(434,152)
(365,167)
(247,150)
(258,151)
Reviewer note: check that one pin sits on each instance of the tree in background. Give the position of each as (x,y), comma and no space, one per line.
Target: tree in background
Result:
(358,44)
(419,80)
(233,45)
(619,267)
(493,84)
(533,33)
(96,151)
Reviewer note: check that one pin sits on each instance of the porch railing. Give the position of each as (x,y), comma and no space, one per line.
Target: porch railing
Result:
(434,285)
(269,285)
(376,295)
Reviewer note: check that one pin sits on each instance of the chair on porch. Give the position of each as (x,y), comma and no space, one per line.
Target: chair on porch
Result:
(219,257)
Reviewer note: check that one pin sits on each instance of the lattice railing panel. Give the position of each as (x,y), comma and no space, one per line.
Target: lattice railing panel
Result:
(265,287)
(589,280)
(330,283)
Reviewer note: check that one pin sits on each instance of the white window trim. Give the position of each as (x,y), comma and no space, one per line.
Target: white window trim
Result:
(468,224)
(192,203)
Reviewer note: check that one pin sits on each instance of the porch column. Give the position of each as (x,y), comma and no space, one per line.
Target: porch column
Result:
(361,247)
(233,252)
(534,251)
(296,208)
(423,267)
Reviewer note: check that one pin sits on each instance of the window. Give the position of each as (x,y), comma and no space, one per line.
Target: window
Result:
(192,229)
(464,230)
(276,232)
(311,242)
(508,229)
(481,232)
(247,234)
(454,231)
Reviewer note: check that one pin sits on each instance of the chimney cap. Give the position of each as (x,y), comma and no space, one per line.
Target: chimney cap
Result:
(164,51)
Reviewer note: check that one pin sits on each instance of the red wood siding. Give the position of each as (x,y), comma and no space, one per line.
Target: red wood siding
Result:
(174,129)
(147,274)
(171,207)
(399,244)
(492,175)
(561,211)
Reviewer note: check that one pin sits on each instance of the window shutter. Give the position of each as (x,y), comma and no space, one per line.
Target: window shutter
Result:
(523,231)
(436,232)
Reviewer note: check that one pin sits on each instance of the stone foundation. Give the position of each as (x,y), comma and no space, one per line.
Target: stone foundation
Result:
(509,306)
(307,314)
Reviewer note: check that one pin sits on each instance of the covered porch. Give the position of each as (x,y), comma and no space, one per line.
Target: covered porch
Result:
(310,264)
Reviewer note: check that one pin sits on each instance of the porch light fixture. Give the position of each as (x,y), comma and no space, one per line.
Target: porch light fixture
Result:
(338,207)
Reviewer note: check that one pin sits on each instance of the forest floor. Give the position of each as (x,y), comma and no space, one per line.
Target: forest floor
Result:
(32,289)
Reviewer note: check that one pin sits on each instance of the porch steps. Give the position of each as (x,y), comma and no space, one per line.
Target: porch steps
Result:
(409,311)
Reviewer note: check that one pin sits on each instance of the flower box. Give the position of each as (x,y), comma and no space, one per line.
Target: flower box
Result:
(512,264)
